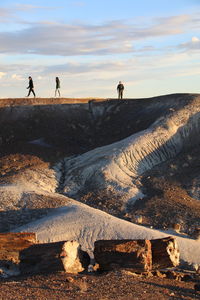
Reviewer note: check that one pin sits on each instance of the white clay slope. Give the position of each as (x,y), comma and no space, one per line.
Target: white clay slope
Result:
(84,224)
(14,195)
(118,165)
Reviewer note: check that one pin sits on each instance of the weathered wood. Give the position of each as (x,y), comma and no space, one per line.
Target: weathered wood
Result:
(51,257)
(165,253)
(134,254)
(12,243)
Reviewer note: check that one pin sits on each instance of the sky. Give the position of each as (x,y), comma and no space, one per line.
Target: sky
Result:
(152,46)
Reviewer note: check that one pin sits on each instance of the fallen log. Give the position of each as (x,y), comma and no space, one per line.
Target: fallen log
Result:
(165,253)
(133,254)
(12,243)
(51,257)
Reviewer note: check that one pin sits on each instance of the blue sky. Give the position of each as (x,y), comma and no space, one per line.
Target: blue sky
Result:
(152,46)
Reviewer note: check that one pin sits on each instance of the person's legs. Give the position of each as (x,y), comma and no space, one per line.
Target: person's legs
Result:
(32,90)
(120,94)
(29,91)
(57,90)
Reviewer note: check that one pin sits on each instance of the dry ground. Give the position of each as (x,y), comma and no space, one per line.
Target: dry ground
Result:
(121,285)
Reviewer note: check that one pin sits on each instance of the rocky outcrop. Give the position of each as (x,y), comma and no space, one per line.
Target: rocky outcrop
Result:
(50,257)
(139,255)
(114,254)
(117,166)
(21,254)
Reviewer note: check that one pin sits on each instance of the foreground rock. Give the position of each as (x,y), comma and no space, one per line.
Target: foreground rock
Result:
(12,243)
(165,253)
(112,254)
(139,255)
(51,257)
(20,254)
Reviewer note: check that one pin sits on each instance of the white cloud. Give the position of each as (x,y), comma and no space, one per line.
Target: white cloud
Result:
(114,37)
(195,39)
(16,77)
(2,74)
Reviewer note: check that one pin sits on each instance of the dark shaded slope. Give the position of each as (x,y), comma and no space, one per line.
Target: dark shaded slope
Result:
(86,125)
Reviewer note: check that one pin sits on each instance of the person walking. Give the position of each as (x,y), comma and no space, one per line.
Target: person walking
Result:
(120,89)
(30,87)
(57,86)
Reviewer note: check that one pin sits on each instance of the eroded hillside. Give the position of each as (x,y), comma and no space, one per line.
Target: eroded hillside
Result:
(133,157)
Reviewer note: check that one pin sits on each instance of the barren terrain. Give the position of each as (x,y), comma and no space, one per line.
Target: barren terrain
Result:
(114,285)
(36,134)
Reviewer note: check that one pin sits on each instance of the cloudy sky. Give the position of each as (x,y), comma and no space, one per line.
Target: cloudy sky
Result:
(153,46)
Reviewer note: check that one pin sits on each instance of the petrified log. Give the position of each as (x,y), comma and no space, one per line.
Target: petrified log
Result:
(12,243)
(134,254)
(51,257)
(165,253)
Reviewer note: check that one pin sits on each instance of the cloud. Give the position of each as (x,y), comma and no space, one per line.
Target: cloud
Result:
(74,68)
(5,14)
(195,39)
(17,77)
(10,14)
(28,7)
(99,77)
(25,7)
(88,39)
(65,40)
(2,74)
(137,67)
(193,45)
(79,3)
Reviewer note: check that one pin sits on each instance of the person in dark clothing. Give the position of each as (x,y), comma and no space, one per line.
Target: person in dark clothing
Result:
(57,86)
(30,87)
(120,89)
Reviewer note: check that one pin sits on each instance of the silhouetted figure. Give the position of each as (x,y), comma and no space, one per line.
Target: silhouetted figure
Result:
(120,89)
(57,86)
(30,87)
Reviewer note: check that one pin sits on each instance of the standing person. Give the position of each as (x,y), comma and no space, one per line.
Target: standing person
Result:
(57,86)
(120,89)
(30,87)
